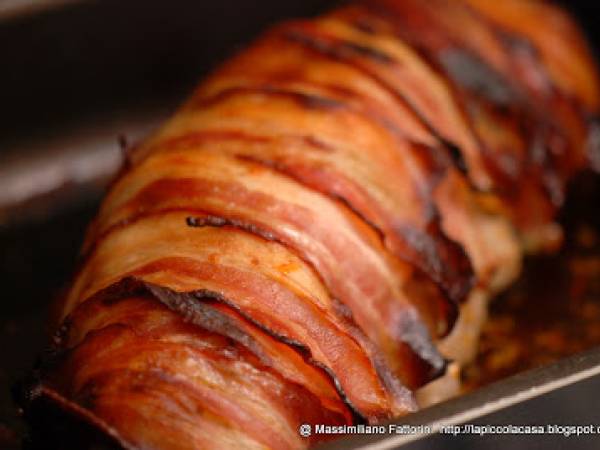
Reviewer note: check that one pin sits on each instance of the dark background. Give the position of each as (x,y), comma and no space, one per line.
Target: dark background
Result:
(69,65)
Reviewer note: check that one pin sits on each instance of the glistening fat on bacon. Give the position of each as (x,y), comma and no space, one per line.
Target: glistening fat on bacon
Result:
(315,235)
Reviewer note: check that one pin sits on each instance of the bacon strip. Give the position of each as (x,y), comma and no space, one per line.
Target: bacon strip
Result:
(526,153)
(352,262)
(257,283)
(127,347)
(401,211)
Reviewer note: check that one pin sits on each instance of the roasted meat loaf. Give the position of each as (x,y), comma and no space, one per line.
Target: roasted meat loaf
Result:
(314,236)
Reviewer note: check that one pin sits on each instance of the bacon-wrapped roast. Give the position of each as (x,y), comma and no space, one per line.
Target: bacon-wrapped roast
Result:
(314,236)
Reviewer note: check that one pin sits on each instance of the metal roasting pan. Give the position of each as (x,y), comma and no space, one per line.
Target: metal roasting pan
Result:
(77,77)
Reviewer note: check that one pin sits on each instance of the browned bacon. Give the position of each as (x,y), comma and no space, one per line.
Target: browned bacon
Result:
(315,235)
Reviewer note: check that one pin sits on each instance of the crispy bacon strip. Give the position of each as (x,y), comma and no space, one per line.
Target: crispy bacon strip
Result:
(297,243)
(130,358)
(532,136)
(271,287)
